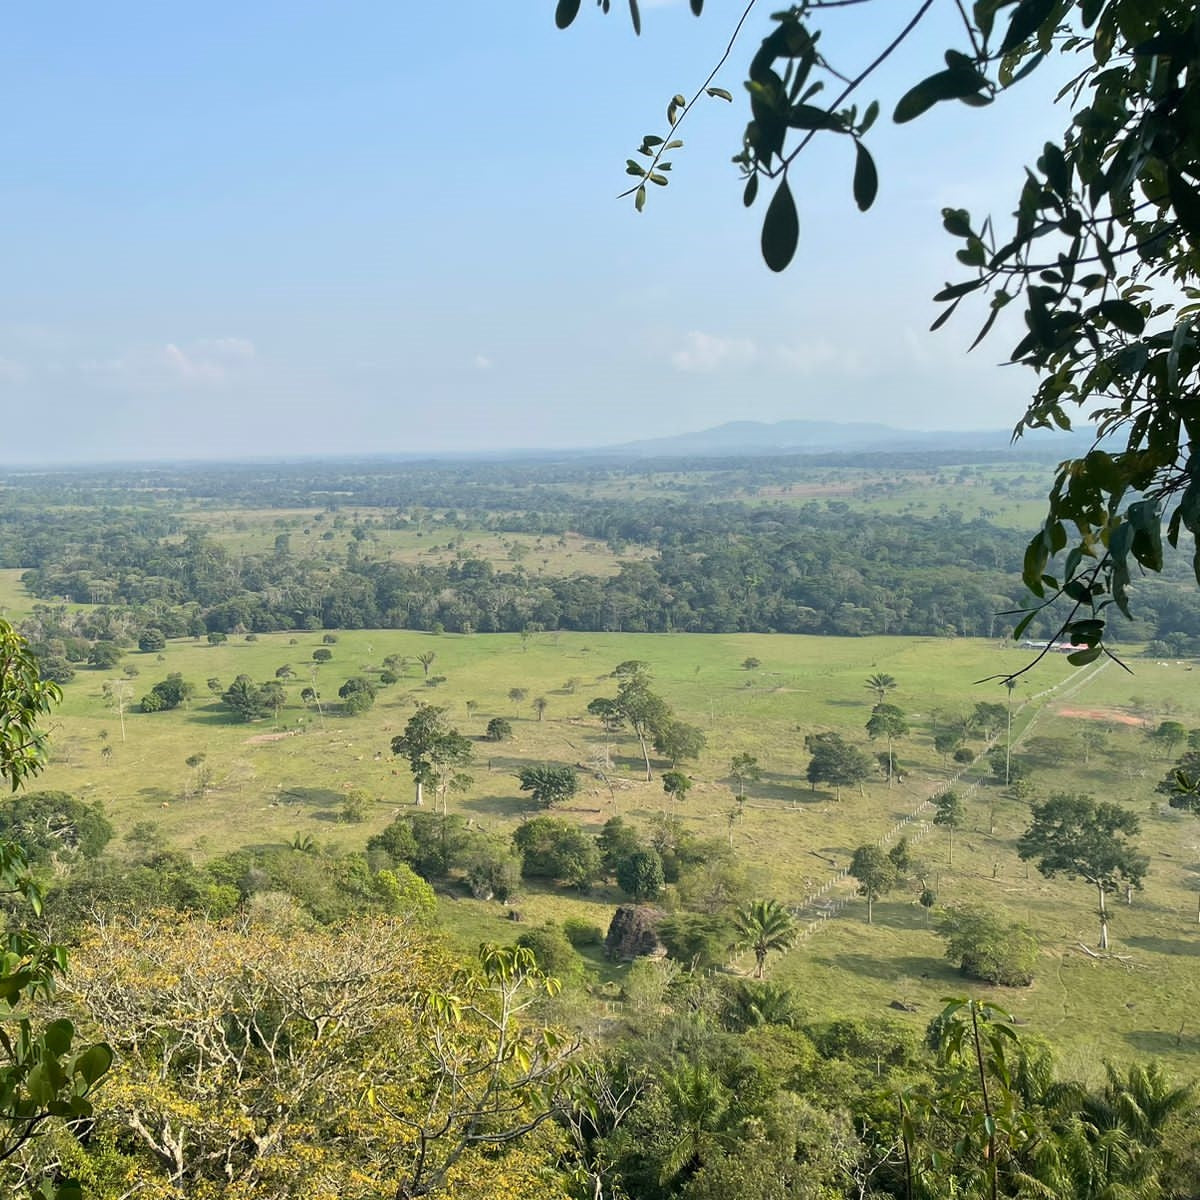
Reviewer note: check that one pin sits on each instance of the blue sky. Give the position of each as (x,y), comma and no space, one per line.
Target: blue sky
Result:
(275,228)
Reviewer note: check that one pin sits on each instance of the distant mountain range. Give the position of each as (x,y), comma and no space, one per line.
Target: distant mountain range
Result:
(824,437)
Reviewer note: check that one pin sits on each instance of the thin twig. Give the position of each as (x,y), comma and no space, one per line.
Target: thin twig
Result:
(687,108)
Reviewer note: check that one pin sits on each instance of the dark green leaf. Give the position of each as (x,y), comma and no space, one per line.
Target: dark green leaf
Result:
(566,12)
(1185,202)
(956,221)
(58,1036)
(809,116)
(866,178)
(1081,658)
(781,229)
(94,1063)
(635,16)
(952,84)
(1125,316)
(719,94)
(751,190)
(697,7)
(1025,21)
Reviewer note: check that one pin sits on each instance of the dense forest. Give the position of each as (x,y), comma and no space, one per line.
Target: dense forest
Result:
(710,560)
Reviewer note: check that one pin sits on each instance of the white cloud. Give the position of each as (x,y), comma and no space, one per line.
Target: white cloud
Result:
(807,358)
(191,367)
(226,347)
(703,353)
(205,361)
(482,362)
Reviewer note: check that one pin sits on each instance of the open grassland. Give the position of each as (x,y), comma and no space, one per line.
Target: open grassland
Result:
(271,780)
(1010,496)
(314,533)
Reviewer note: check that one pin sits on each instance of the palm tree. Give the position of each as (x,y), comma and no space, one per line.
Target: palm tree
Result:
(763,926)
(756,1004)
(881,684)
(699,1103)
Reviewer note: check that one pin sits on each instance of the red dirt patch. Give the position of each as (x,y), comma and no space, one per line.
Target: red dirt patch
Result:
(1102,714)
(259,738)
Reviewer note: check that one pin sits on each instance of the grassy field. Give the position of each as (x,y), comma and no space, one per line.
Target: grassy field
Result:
(272,780)
(1010,496)
(315,533)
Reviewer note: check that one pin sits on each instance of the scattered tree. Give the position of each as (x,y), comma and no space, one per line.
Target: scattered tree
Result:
(1077,836)
(436,752)
(1168,735)
(745,769)
(875,872)
(677,741)
(950,814)
(836,762)
(676,785)
(357,695)
(987,948)
(881,684)
(887,721)
(549,785)
(499,730)
(764,926)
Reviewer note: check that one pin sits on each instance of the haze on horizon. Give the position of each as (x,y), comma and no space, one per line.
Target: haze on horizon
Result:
(293,230)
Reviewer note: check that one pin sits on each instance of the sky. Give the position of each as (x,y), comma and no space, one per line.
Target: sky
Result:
(293,228)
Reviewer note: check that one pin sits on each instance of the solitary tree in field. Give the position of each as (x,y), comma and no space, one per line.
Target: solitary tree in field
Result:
(676,785)
(357,695)
(763,926)
(499,730)
(950,814)
(677,741)
(876,874)
(1093,741)
(634,705)
(426,660)
(881,684)
(540,704)
(745,769)
(835,761)
(517,696)
(1168,735)
(1077,836)
(887,721)
(549,785)
(435,751)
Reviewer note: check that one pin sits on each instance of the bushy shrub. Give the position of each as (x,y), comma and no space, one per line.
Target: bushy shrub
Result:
(581,932)
(499,730)
(988,948)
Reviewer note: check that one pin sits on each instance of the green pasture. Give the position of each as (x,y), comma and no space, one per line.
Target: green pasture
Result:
(1009,496)
(272,780)
(314,533)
